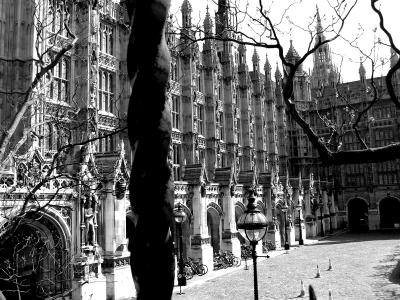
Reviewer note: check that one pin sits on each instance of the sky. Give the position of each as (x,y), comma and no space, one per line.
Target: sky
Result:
(362,20)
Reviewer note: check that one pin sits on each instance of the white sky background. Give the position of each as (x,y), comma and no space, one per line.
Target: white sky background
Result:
(301,13)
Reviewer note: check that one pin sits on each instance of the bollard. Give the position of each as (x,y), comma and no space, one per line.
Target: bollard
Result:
(330,268)
(302,290)
(318,273)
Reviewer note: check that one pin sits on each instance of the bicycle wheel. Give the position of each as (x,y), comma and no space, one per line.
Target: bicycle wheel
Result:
(188,273)
(202,270)
(237,261)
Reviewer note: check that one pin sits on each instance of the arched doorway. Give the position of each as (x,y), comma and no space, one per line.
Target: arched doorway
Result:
(38,258)
(389,211)
(357,215)
(213,223)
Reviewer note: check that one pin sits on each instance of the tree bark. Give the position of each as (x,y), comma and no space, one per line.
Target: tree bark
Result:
(149,127)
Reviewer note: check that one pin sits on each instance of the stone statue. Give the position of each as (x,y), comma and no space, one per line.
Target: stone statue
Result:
(89,214)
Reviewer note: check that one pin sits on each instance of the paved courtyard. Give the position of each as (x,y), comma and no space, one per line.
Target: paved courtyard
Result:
(365,266)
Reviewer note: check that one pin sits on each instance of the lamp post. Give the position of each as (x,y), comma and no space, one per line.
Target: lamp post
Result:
(301,242)
(284,210)
(321,205)
(330,217)
(252,225)
(180,217)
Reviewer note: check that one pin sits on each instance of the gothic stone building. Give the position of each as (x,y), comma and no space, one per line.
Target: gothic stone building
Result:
(231,136)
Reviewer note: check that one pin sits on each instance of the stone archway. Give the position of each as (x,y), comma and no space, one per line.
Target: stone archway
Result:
(357,215)
(38,254)
(214,228)
(389,212)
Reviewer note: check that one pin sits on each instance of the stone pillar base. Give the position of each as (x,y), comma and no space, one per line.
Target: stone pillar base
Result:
(373,219)
(334,221)
(311,229)
(201,249)
(275,237)
(119,282)
(231,243)
(291,235)
(88,281)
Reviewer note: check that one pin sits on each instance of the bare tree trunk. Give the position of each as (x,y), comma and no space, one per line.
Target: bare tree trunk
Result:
(151,187)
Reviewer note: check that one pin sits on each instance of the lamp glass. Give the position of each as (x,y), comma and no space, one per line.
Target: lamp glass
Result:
(252,226)
(179,215)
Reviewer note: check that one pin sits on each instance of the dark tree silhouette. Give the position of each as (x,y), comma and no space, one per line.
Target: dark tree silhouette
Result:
(149,127)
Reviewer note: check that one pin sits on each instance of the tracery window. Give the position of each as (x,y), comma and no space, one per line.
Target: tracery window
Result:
(221,127)
(59,15)
(174,70)
(175,111)
(59,86)
(106,91)
(200,119)
(106,144)
(106,39)
(176,161)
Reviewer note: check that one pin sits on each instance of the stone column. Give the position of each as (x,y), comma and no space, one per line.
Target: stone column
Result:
(309,222)
(201,241)
(290,229)
(333,212)
(301,227)
(273,233)
(230,241)
(373,219)
(325,210)
(116,268)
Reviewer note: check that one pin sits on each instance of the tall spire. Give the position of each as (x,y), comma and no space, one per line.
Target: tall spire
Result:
(208,24)
(256,61)
(278,74)
(362,71)
(319,23)
(267,68)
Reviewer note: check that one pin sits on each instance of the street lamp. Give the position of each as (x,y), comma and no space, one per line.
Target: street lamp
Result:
(252,225)
(180,217)
(284,209)
(330,217)
(321,205)
(301,242)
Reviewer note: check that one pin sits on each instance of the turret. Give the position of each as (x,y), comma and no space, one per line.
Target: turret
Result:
(268,80)
(208,24)
(186,10)
(208,31)
(256,61)
(278,75)
(242,53)
(293,57)
(267,68)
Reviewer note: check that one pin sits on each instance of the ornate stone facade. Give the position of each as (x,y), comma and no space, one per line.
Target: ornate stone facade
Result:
(231,135)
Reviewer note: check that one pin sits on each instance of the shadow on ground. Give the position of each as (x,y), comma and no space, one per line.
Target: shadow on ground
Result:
(351,237)
(388,269)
